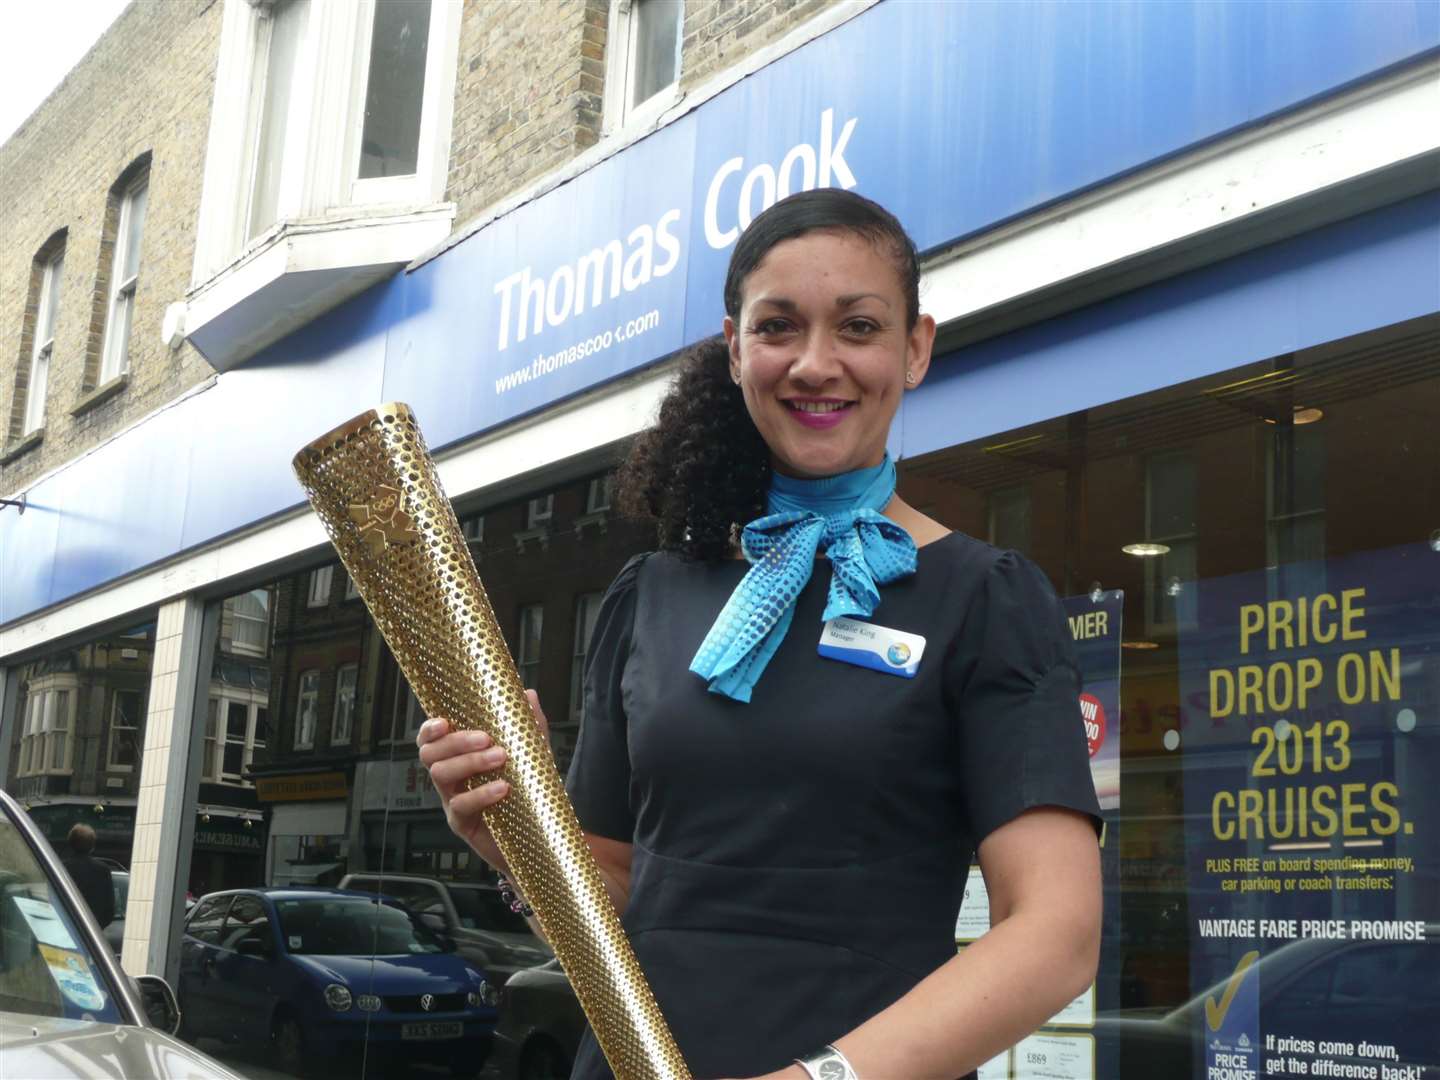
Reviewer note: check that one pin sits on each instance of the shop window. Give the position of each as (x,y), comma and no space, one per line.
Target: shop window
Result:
(587,607)
(343,723)
(1010,518)
(320,582)
(250,622)
(527,656)
(40,315)
(124,277)
(127,731)
(307,710)
(643,65)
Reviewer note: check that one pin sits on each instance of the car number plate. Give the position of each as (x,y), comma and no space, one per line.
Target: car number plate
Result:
(432,1029)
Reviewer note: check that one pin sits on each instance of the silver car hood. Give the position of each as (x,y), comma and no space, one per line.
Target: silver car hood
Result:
(48,1048)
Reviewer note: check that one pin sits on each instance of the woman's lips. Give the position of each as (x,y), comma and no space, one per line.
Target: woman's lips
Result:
(819,414)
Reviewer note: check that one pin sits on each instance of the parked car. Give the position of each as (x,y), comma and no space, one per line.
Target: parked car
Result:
(324,976)
(66,1009)
(541,1023)
(484,929)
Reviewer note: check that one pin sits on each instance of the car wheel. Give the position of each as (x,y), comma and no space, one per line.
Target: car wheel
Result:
(287,1046)
(543,1060)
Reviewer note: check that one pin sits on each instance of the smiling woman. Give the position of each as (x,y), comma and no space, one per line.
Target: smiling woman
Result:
(752,800)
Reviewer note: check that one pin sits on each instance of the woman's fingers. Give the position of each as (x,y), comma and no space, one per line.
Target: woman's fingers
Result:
(452,772)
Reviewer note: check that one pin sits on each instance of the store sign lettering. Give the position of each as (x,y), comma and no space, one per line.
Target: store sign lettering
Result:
(532,302)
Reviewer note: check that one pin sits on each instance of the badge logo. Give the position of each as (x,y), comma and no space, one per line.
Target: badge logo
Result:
(427,1002)
(381,520)
(898,654)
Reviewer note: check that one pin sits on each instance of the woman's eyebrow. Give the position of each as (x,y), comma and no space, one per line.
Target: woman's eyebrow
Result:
(855,298)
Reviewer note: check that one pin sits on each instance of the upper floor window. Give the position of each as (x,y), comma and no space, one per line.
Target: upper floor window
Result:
(538,512)
(343,723)
(644,58)
(321,104)
(307,710)
(127,731)
(598,493)
(527,656)
(45,744)
(320,581)
(124,275)
(587,606)
(237,726)
(250,622)
(43,341)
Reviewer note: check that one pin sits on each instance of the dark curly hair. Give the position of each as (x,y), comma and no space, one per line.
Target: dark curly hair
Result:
(703,470)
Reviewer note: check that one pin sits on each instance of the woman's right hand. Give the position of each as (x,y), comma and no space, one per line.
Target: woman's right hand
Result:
(452,757)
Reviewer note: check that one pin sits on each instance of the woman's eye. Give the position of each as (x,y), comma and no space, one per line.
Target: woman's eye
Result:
(860,327)
(770,327)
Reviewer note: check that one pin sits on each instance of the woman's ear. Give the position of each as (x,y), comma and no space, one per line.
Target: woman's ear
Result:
(918,344)
(732,342)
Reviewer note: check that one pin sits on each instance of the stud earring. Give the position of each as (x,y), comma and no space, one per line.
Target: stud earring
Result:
(910,378)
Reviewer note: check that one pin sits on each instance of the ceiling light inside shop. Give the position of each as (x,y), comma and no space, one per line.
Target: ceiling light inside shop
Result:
(1301,414)
(1139,644)
(1146,550)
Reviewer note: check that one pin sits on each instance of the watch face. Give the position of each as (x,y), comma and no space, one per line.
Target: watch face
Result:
(832,1069)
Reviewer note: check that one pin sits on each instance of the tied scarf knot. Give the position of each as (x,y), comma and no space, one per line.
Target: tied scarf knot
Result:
(839,515)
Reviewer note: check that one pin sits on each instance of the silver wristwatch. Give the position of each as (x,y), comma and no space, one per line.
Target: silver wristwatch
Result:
(827,1064)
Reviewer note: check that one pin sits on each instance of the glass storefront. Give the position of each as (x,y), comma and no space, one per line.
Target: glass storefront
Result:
(1263,547)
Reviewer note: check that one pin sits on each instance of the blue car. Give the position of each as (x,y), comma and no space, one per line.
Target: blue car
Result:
(326,978)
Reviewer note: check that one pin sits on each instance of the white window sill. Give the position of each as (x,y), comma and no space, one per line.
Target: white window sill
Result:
(301,269)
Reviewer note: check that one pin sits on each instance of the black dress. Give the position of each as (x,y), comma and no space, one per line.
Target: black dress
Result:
(799,861)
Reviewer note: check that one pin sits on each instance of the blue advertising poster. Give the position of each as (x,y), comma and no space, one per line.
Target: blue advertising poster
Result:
(1311,811)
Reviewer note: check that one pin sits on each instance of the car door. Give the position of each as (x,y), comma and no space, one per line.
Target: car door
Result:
(245,967)
(197,987)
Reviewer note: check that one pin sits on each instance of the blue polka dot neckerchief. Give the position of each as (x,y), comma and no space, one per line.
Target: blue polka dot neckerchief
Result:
(839,514)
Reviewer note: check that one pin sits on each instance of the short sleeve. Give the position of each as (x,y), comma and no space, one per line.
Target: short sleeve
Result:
(1021,736)
(599,777)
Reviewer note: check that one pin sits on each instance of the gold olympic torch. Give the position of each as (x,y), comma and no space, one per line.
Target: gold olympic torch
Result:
(373,484)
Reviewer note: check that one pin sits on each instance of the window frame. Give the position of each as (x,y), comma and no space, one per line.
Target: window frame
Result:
(320,583)
(114,726)
(43,349)
(348,714)
(321,155)
(115,349)
(624,28)
(599,493)
(523,661)
(247,648)
(587,609)
(307,686)
(41,726)
(212,769)
(539,511)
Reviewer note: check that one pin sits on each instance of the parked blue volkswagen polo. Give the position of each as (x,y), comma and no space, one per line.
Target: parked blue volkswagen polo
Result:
(324,976)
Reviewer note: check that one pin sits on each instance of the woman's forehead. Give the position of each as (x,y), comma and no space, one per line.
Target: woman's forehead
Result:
(851,265)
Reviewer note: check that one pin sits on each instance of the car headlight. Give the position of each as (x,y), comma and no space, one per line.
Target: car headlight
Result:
(368,1003)
(337,997)
(485,995)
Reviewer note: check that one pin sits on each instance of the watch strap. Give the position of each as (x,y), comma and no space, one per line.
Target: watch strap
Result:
(827,1063)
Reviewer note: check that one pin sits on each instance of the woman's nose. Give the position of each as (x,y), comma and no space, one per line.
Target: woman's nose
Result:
(817,361)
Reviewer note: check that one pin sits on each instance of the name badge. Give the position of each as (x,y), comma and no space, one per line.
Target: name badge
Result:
(876,647)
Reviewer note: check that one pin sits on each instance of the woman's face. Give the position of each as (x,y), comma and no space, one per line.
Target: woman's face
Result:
(821,351)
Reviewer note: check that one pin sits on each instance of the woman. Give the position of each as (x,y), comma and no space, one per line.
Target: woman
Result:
(784,824)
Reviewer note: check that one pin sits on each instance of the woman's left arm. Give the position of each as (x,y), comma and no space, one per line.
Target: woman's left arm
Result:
(1042,870)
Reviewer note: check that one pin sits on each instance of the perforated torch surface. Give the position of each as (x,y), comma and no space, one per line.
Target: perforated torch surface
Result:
(374,486)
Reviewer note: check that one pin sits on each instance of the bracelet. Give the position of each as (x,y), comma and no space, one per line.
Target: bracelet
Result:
(827,1064)
(512,897)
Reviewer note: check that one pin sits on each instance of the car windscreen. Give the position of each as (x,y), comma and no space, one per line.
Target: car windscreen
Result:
(332,926)
(482,909)
(46,967)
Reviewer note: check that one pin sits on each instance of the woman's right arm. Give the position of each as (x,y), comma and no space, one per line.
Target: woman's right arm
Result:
(452,757)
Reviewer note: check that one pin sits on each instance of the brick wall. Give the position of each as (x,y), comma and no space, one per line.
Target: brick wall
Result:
(529,97)
(145,88)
